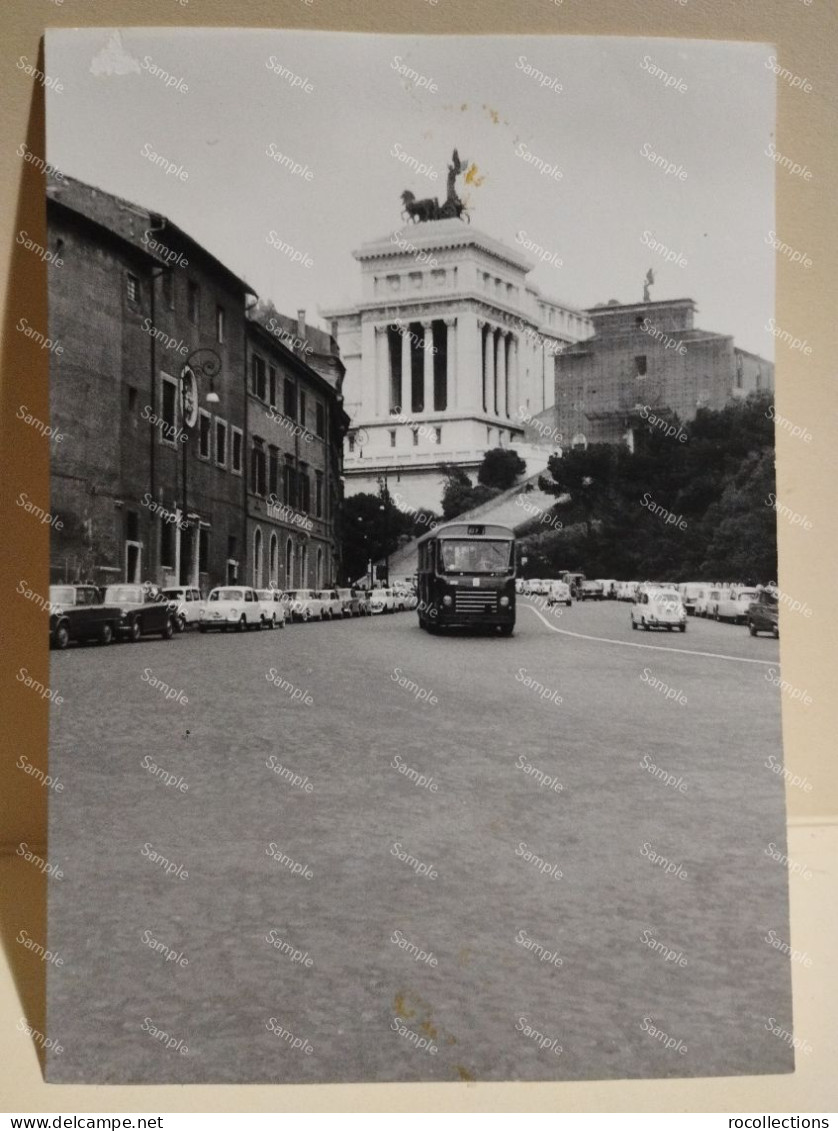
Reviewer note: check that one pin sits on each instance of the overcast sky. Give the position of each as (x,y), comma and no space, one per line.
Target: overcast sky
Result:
(486,103)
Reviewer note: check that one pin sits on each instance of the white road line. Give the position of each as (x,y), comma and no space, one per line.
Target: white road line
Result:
(648,647)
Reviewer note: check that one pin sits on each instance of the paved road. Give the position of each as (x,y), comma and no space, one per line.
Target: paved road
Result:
(589,710)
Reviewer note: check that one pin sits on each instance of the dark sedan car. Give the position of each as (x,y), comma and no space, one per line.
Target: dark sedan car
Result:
(77,613)
(145,611)
(763,614)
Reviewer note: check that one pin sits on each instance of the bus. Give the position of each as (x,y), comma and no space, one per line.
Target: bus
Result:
(466,577)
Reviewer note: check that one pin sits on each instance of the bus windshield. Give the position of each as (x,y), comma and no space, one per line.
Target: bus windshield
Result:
(484,556)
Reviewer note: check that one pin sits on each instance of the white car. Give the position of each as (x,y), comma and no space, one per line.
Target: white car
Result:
(559,593)
(690,592)
(734,603)
(273,607)
(332,604)
(609,588)
(304,605)
(382,601)
(707,601)
(189,606)
(231,606)
(658,608)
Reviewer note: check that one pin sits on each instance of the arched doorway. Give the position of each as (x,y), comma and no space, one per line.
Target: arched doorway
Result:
(289,564)
(274,561)
(257,558)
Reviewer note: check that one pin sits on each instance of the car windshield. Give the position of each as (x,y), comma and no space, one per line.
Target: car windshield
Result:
(484,556)
(747,595)
(174,593)
(124,593)
(226,595)
(62,594)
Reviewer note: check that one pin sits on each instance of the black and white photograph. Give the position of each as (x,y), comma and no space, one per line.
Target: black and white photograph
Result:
(414,604)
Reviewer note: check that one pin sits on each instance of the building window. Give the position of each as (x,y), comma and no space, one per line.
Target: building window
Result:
(290,400)
(257,467)
(132,287)
(273,470)
(289,486)
(318,494)
(219,323)
(392,437)
(272,385)
(640,365)
(168,409)
(320,419)
(204,434)
(257,377)
(168,287)
(304,488)
(289,564)
(351,443)
(193,302)
(415,433)
(438,434)
(132,399)
(302,417)
(221,442)
(236,434)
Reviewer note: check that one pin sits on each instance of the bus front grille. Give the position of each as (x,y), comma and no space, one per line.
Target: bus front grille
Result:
(476,601)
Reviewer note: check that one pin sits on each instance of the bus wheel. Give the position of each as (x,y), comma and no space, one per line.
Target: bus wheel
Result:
(507,629)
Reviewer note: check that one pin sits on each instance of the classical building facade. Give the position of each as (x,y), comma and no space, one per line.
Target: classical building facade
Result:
(151,479)
(448,351)
(647,358)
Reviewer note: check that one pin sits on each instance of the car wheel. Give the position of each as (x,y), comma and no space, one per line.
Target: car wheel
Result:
(717,617)
(106,633)
(169,631)
(669,628)
(752,628)
(272,622)
(567,603)
(242,625)
(202,628)
(644,624)
(62,637)
(135,631)
(682,628)
(776,632)
(306,616)
(507,629)
(634,625)
(180,623)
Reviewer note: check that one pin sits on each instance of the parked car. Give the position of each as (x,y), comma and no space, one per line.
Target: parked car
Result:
(707,602)
(609,589)
(304,605)
(690,591)
(734,603)
(574,580)
(349,602)
(658,608)
(231,606)
(559,593)
(273,607)
(77,613)
(332,604)
(589,591)
(763,613)
(627,590)
(382,601)
(187,604)
(144,609)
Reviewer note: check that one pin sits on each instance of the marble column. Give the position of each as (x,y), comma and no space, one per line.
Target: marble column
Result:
(381,400)
(483,341)
(428,368)
(491,369)
(407,370)
(503,392)
(452,330)
(496,342)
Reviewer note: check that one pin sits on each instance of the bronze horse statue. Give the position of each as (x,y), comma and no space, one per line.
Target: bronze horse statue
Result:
(419,211)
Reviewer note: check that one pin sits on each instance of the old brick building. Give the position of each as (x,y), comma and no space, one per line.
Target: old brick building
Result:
(149,485)
(647,358)
(296,428)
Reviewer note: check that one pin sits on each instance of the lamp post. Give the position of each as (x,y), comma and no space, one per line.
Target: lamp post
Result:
(200,363)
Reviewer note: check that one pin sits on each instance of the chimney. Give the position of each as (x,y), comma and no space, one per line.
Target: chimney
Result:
(301,325)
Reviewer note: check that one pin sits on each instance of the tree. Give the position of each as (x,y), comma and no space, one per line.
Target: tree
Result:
(372,528)
(459,493)
(501,468)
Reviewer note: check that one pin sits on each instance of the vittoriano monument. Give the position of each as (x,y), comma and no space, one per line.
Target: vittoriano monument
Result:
(418,211)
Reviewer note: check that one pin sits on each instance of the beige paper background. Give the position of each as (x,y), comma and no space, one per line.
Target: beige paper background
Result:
(806,35)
